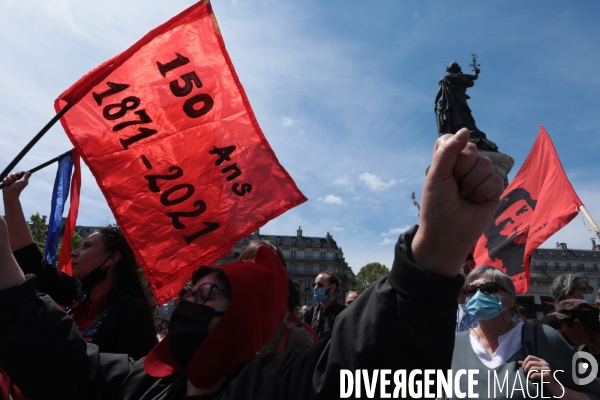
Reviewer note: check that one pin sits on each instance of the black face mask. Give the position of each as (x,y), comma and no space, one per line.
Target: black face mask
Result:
(93,278)
(188,328)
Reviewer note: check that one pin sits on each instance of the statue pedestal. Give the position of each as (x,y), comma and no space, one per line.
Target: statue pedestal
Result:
(501,162)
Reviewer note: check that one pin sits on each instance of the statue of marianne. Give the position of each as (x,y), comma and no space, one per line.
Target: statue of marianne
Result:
(451,108)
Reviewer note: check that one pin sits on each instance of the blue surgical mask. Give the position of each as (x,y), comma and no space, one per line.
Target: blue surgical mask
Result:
(484,306)
(321,295)
(588,297)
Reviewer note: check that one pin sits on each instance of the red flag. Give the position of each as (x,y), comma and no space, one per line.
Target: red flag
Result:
(538,202)
(168,132)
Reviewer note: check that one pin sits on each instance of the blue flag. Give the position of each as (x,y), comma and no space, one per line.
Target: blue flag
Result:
(59,196)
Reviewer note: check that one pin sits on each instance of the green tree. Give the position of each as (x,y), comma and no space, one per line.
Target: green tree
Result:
(39,230)
(368,275)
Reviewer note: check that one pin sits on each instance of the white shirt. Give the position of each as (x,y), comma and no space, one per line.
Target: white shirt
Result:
(508,345)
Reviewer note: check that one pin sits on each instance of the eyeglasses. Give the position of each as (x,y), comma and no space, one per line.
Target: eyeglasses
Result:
(202,294)
(320,284)
(485,288)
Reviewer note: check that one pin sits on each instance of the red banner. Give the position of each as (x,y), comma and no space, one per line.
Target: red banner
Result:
(168,132)
(538,202)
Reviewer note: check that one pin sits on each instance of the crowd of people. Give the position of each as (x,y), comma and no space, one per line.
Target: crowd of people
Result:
(238,330)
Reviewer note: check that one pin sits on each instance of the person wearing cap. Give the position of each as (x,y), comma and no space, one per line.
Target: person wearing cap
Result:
(564,287)
(580,324)
(214,334)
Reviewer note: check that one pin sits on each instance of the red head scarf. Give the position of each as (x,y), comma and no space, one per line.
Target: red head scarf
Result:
(258,301)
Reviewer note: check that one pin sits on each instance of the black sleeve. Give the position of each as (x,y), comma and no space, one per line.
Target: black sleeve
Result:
(61,287)
(127,329)
(308,315)
(44,354)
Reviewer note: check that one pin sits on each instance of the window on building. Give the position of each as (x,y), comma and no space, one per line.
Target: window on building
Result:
(307,270)
(308,254)
(545,265)
(323,256)
(308,242)
(568,267)
(307,301)
(595,267)
(293,240)
(556,266)
(322,268)
(598,281)
(292,254)
(279,241)
(246,239)
(293,269)
(579,267)
(337,270)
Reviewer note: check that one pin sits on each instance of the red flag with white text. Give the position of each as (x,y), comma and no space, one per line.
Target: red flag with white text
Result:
(538,202)
(168,133)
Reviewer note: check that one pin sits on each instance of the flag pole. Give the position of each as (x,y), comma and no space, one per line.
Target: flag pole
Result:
(33,141)
(595,227)
(44,165)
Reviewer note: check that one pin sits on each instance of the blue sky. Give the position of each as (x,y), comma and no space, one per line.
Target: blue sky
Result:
(343,92)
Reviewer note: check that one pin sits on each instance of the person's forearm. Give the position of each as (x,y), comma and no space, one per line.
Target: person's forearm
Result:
(10,273)
(18,231)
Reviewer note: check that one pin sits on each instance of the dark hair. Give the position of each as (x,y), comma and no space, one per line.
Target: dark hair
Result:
(332,279)
(250,251)
(220,276)
(127,293)
(293,296)
(127,277)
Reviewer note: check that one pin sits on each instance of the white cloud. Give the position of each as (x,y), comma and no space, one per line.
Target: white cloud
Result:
(375,183)
(341,181)
(391,236)
(394,231)
(331,199)
(337,228)
(286,121)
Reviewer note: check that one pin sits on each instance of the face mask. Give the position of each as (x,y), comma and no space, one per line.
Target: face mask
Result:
(587,297)
(321,295)
(166,310)
(484,306)
(93,278)
(188,328)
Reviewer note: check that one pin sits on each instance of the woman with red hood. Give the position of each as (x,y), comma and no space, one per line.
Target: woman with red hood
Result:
(213,337)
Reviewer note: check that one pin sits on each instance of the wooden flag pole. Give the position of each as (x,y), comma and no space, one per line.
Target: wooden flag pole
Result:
(44,165)
(590,220)
(33,141)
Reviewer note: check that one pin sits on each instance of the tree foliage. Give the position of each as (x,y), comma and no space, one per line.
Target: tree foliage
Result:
(39,230)
(368,274)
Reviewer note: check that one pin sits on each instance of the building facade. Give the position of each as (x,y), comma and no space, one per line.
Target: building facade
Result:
(306,257)
(547,264)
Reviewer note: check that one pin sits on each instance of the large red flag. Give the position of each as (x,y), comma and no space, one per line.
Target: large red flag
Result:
(168,132)
(538,202)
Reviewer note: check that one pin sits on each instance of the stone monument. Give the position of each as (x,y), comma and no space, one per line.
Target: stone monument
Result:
(452,113)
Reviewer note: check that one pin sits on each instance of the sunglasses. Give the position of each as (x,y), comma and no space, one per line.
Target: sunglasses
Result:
(319,284)
(485,288)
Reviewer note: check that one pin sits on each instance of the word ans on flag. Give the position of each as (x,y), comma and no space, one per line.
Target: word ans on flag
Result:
(168,132)
(538,202)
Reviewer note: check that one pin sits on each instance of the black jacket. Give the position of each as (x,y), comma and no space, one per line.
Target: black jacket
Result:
(404,321)
(323,322)
(127,327)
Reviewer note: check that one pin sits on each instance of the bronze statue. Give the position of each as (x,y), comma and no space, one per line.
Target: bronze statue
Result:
(451,108)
